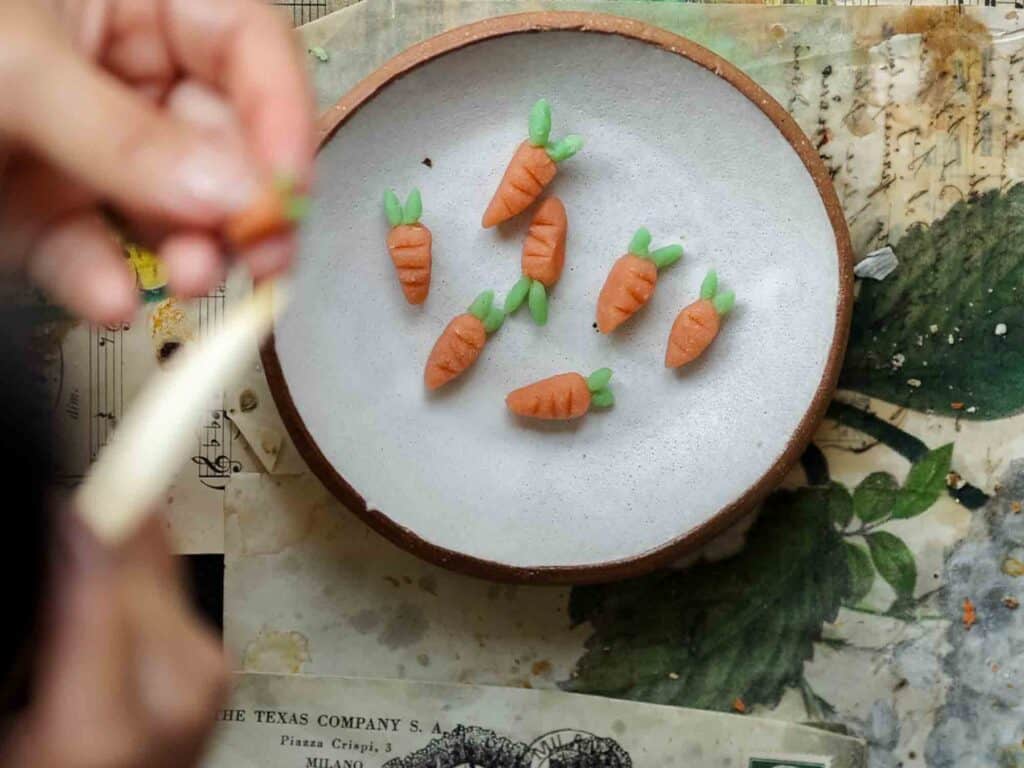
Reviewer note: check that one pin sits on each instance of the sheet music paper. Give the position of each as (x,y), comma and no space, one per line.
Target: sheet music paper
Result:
(94,373)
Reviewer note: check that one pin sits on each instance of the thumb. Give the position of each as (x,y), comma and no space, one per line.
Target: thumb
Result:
(89,124)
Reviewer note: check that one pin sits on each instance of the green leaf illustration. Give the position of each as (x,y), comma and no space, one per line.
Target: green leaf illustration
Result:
(743,627)
(840,505)
(925,483)
(958,280)
(894,561)
(862,572)
(875,497)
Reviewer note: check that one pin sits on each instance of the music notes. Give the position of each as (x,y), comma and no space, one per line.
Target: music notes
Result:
(107,363)
(214,458)
(215,463)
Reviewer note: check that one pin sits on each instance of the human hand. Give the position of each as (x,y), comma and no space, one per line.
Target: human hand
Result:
(175,113)
(125,675)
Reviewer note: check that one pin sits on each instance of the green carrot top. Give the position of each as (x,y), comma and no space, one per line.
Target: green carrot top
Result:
(601,393)
(723,302)
(662,257)
(483,309)
(540,134)
(398,214)
(296,204)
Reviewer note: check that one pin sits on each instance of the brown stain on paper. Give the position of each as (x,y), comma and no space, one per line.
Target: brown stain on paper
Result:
(406,627)
(953,42)
(169,329)
(280,653)
(542,668)
(264,528)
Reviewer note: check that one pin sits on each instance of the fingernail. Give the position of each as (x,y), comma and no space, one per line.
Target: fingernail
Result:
(213,176)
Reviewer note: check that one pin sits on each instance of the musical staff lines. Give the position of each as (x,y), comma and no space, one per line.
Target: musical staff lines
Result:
(106,385)
(214,458)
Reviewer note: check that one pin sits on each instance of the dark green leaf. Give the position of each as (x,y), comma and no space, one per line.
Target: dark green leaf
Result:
(862,572)
(840,505)
(894,562)
(961,274)
(875,497)
(925,483)
(903,608)
(742,627)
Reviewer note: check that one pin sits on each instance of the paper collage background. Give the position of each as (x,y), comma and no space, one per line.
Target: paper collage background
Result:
(847,605)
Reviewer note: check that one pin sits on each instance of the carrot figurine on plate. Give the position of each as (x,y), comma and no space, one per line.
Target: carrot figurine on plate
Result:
(532,167)
(460,343)
(276,209)
(697,325)
(562,397)
(631,282)
(543,260)
(409,245)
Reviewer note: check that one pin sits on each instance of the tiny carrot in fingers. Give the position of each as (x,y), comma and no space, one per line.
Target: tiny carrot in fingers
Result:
(460,343)
(532,167)
(409,245)
(698,324)
(632,280)
(543,260)
(276,209)
(562,397)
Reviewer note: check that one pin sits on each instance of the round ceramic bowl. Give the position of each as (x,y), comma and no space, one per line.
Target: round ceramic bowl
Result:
(677,140)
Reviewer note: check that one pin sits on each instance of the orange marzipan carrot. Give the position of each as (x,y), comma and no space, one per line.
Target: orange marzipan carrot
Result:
(544,249)
(409,244)
(692,332)
(531,169)
(456,350)
(631,281)
(629,286)
(276,209)
(562,397)
(697,324)
(461,342)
